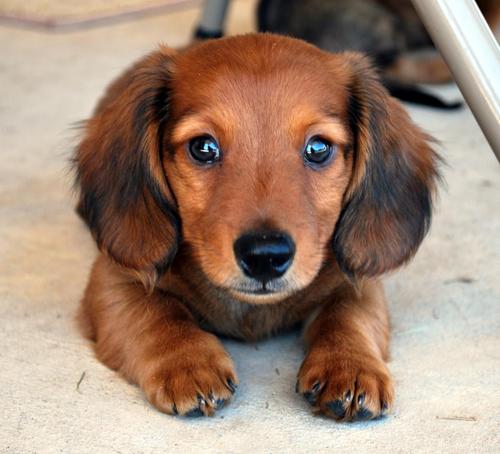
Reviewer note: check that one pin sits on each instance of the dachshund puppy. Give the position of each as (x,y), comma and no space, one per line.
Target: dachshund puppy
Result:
(240,187)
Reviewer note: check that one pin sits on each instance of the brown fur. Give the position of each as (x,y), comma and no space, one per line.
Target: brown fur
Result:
(166,226)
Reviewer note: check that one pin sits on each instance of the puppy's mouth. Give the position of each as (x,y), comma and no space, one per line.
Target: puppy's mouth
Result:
(265,292)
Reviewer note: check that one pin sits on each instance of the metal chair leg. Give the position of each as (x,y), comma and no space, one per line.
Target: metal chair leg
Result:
(212,19)
(471,51)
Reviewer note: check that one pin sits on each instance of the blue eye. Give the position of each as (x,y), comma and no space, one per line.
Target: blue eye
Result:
(318,151)
(204,149)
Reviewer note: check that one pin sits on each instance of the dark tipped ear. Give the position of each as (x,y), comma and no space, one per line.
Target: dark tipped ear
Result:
(388,205)
(124,195)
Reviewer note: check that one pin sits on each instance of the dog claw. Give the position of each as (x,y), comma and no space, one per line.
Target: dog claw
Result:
(232,386)
(201,401)
(363,414)
(310,397)
(337,408)
(194,413)
(316,387)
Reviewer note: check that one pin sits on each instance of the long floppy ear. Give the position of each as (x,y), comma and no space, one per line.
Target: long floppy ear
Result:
(387,208)
(124,195)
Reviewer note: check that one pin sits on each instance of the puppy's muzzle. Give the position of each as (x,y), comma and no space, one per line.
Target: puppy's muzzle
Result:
(264,255)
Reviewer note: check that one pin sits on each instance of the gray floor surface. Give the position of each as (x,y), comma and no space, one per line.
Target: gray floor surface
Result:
(445,305)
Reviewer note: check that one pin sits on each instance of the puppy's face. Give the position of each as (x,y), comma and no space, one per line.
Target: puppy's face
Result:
(266,157)
(259,162)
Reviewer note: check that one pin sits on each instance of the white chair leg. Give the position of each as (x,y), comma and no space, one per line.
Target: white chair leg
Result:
(465,41)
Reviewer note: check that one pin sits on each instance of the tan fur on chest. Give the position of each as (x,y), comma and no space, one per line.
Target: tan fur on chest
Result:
(217,311)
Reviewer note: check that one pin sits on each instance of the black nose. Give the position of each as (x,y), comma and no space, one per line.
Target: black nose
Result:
(264,255)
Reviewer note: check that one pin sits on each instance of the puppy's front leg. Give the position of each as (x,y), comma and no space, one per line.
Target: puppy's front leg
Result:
(153,341)
(344,374)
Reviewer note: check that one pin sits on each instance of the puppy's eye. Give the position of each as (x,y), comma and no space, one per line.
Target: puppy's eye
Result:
(204,149)
(318,151)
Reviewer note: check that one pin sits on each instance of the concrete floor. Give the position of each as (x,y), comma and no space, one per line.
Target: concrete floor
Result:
(445,304)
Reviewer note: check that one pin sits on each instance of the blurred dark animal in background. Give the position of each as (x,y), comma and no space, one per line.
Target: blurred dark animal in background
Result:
(389,31)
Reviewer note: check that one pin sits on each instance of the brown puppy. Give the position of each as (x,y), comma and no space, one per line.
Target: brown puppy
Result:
(239,187)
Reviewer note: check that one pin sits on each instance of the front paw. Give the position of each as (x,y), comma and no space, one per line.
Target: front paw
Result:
(348,386)
(194,378)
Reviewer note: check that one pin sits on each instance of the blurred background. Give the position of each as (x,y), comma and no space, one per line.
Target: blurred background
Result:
(56,58)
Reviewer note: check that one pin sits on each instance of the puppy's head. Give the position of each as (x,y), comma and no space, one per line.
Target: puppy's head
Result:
(267,156)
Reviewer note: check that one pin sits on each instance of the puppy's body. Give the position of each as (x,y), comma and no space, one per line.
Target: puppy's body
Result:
(219,312)
(316,183)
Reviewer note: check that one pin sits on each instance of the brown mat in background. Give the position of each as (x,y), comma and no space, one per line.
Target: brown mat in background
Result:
(75,14)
